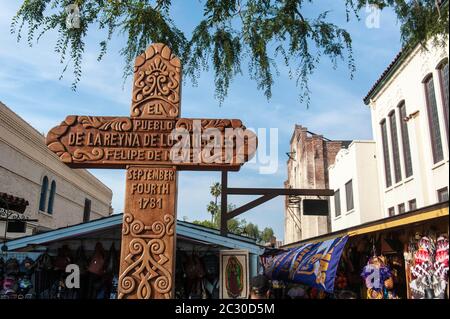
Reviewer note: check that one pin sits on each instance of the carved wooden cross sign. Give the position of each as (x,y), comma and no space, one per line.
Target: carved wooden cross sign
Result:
(152,145)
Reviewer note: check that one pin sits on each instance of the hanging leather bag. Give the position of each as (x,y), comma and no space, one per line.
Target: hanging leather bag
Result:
(97,264)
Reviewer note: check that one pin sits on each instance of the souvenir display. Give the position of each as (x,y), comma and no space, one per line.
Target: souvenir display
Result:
(63,259)
(341,281)
(197,275)
(379,279)
(81,259)
(428,260)
(45,277)
(15,278)
(97,264)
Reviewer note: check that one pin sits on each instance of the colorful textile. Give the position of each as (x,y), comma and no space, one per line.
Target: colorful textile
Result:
(313,265)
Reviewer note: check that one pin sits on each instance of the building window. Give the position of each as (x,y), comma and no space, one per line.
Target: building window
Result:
(412,204)
(443,195)
(401,208)
(443,76)
(337,203)
(349,195)
(395,149)
(391,211)
(433,121)
(87,210)
(43,198)
(387,164)
(51,199)
(405,140)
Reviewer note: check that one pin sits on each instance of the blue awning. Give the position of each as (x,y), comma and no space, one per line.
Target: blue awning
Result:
(312,264)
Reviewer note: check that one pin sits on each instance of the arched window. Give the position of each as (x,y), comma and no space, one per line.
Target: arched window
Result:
(51,198)
(443,77)
(43,197)
(387,163)
(405,140)
(433,120)
(395,148)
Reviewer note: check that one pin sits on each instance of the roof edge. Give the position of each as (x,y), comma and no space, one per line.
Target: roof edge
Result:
(393,66)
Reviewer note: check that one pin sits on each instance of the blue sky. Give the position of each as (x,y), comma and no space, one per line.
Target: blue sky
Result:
(29,85)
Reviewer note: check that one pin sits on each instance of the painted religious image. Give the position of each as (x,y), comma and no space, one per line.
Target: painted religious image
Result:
(234,270)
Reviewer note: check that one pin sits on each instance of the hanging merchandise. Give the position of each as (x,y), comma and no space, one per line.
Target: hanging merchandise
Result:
(430,267)
(63,259)
(81,260)
(441,259)
(211,280)
(97,264)
(341,281)
(378,279)
(312,264)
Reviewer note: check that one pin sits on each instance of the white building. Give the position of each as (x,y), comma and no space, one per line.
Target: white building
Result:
(409,106)
(58,196)
(354,179)
(406,166)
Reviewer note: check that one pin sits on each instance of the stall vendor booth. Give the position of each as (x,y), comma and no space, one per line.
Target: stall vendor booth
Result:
(399,257)
(36,266)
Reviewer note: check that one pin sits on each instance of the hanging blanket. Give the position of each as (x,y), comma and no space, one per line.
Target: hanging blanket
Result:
(314,265)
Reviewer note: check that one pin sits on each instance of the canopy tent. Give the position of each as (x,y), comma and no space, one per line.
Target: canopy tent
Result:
(312,264)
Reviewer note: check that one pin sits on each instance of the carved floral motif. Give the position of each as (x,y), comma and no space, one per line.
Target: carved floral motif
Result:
(156,86)
(119,124)
(220,124)
(146,258)
(54,143)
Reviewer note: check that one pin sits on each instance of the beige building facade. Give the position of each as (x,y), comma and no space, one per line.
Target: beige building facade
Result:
(58,196)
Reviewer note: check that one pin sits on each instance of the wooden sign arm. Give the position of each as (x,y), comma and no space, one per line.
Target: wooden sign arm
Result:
(267,194)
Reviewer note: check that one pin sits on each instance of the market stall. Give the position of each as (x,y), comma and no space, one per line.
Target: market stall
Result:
(400,257)
(36,266)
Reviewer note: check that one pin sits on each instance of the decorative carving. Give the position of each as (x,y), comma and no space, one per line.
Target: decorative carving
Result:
(143,142)
(157,230)
(54,136)
(156,86)
(86,141)
(146,258)
(81,155)
(119,124)
(220,124)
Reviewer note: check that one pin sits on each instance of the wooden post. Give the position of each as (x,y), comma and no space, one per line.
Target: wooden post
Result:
(224,204)
(148,233)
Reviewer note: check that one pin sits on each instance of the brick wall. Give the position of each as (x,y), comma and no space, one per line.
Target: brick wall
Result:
(308,168)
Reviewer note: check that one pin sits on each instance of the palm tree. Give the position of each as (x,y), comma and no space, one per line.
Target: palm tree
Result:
(213,208)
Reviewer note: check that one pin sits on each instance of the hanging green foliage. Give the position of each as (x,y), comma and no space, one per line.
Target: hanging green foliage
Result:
(259,34)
